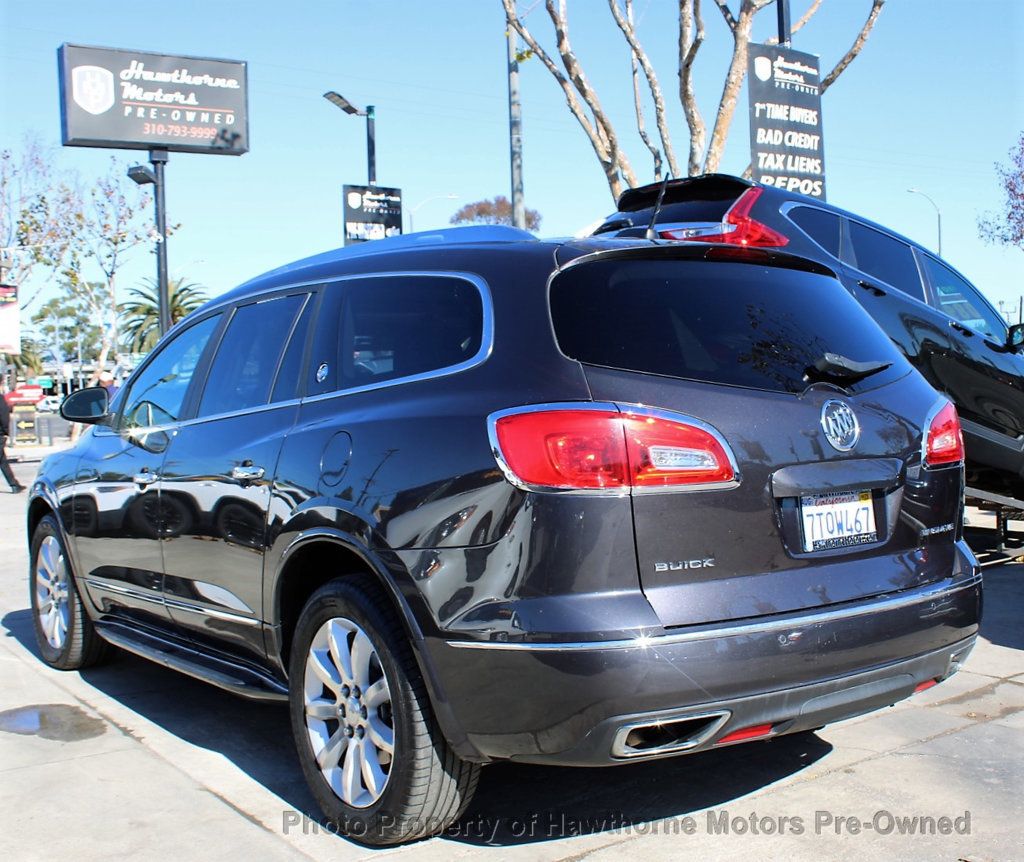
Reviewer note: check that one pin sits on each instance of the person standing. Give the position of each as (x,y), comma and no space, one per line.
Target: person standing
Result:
(5,430)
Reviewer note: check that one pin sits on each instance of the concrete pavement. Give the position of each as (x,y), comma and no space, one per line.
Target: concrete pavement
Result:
(131,759)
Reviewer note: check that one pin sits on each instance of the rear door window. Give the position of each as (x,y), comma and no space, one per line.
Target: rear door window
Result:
(738,324)
(886,258)
(248,355)
(821,226)
(957,298)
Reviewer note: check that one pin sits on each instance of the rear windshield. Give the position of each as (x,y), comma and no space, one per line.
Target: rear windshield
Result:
(716,322)
(709,209)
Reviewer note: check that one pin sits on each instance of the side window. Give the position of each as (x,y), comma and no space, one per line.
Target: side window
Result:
(287,384)
(886,258)
(404,325)
(246,362)
(957,298)
(819,225)
(157,395)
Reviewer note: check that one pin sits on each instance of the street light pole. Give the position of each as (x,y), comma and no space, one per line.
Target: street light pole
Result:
(938,215)
(158,158)
(412,210)
(340,101)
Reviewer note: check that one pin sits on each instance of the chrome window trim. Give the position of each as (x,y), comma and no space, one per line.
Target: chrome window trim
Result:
(615,407)
(788,206)
(645,641)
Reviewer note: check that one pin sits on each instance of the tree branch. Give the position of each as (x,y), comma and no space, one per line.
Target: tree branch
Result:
(730,19)
(858,44)
(733,82)
(635,68)
(691,36)
(608,163)
(639,56)
(799,24)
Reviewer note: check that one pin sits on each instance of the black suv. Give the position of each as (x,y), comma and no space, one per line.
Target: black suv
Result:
(473,496)
(941,322)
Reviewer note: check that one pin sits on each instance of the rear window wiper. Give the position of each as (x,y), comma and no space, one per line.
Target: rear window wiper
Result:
(836,368)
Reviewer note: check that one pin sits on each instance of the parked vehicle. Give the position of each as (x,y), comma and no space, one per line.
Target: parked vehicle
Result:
(474,496)
(49,404)
(940,321)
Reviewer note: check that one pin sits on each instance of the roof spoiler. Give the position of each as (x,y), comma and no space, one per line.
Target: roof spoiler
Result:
(716,185)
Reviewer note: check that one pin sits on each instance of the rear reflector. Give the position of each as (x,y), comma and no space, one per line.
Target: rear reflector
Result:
(738,228)
(588,449)
(755,731)
(924,686)
(944,440)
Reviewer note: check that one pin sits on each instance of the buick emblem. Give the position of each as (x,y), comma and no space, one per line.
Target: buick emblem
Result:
(840,425)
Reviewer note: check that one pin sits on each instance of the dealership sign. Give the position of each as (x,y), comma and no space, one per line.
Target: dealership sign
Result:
(140,101)
(786,143)
(371,212)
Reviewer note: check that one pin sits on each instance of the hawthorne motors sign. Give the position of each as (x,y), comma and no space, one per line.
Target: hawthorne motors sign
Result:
(142,101)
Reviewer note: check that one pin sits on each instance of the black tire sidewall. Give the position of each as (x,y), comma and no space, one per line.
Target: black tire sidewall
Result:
(340,599)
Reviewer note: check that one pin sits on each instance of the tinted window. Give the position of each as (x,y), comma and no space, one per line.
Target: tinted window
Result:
(718,322)
(400,326)
(819,225)
(886,258)
(957,298)
(157,395)
(246,362)
(710,209)
(287,382)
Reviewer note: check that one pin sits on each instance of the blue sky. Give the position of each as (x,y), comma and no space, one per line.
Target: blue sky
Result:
(933,101)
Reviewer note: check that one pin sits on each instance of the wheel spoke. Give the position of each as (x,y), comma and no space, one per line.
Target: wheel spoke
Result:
(50,625)
(377,694)
(351,781)
(337,641)
(373,776)
(381,735)
(362,652)
(329,755)
(60,628)
(322,709)
(324,668)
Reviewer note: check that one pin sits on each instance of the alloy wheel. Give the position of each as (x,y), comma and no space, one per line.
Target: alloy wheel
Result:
(348,715)
(51,583)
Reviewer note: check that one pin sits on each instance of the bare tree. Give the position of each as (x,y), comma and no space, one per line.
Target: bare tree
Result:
(705,154)
(38,209)
(1007,228)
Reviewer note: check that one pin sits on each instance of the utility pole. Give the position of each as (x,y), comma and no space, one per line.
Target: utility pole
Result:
(371,145)
(515,132)
(785,28)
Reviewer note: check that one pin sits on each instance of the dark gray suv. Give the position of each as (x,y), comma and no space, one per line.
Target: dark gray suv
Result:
(474,496)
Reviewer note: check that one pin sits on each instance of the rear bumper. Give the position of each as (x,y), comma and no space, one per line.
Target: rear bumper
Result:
(564,703)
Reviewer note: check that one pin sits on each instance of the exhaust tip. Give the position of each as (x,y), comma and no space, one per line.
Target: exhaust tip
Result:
(666,735)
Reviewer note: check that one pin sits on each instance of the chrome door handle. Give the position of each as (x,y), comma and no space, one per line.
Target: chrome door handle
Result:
(247,473)
(145,478)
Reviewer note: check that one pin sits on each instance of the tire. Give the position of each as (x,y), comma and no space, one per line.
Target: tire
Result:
(66,637)
(425,785)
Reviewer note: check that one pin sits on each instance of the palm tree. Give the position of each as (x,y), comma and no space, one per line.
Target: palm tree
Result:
(142,311)
(27,363)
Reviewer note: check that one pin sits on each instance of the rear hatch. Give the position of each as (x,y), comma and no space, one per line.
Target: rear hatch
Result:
(762,347)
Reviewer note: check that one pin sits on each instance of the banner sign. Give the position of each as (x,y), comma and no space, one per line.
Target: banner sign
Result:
(10,320)
(371,212)
(136,100)
(786,144)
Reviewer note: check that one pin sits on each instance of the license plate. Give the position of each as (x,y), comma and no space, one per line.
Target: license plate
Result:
(837,520)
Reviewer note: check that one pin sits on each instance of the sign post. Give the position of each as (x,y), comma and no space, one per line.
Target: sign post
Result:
(136,100)
(371,212)
(786,140)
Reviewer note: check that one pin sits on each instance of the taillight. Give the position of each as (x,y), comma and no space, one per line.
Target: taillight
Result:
(738,228)
(944,439)
(588,449)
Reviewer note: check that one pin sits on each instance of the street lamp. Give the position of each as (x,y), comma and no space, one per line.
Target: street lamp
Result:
(938,214)
(143,176)
(412,210)
(340,101)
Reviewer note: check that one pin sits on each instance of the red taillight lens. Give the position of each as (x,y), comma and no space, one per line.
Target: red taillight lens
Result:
(944,443)
(664,452)
(737,229)
(595,449)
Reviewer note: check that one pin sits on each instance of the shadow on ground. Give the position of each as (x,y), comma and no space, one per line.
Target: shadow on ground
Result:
(515,804)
